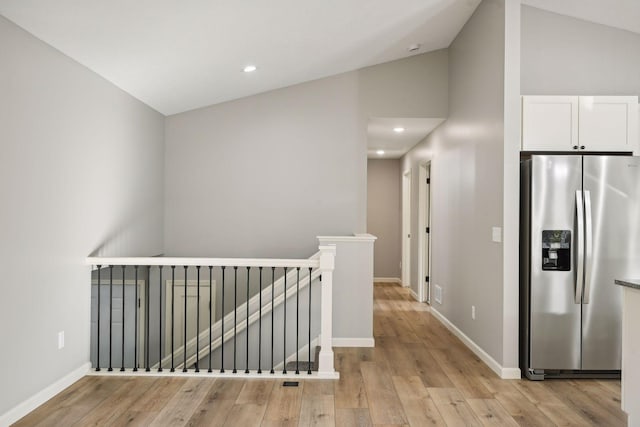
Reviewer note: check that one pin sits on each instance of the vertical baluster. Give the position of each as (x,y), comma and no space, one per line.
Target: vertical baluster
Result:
(284,351)
(98,334)
(260,322)
(184,354)
(110,316)
(235,315)
(147,306)
(198,318)
(309,339)
(297,319)
(210,311)
(246,329)
(135,320)
(273,285)
(173,311)
(160,320)
(222,327)
(123,307)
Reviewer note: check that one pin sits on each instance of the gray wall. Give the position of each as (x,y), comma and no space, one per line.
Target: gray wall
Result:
(411,87)
(81,171)
(566,56)
(263,176)
(384,219)
(467,182)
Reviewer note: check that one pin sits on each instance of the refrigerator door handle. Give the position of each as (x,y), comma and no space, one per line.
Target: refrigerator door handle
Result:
(580,245)
(588,246)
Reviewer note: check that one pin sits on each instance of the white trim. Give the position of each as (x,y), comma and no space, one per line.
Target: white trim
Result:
(354,342)
(504,373)
(424,221)
(414,295)
(203,262)
(216,374)
(388,280)
(511,374)
(511,187)
(43,395)
(355,238)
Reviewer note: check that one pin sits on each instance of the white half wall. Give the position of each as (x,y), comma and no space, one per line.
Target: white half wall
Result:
(81,172)
(352,289)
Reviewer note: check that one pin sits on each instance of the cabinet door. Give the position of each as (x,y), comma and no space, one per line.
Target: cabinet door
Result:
(608,123)
(549,123)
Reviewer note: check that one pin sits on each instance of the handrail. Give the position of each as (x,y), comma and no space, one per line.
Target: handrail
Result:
(204,262)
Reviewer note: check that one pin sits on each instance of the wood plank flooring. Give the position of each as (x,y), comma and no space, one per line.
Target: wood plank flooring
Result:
(418,374)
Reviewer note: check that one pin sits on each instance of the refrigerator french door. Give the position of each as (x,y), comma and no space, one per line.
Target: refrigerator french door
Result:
(580,230)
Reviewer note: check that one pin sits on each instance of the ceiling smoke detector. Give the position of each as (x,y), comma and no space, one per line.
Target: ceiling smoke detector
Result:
(414,47)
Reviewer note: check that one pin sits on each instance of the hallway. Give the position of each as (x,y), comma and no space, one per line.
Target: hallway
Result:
(418,374)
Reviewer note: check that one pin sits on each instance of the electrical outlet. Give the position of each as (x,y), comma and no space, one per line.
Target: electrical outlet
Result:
(60,340)
(473,312)
(438,294)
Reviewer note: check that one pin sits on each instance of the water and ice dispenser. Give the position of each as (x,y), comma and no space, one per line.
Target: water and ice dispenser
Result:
(556,250)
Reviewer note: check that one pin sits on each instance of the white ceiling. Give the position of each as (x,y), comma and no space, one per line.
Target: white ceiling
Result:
(624,14)
(381,135)
(176,55)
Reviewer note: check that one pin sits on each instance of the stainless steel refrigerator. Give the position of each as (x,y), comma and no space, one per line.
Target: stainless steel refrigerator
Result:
(580,230)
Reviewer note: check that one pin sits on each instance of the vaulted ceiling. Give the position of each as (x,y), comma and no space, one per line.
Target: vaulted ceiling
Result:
(176,56)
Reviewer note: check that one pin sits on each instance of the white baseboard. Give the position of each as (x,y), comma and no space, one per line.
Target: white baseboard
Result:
(354,342)
(43,395)
(387,280)
(504,373)
(414,295)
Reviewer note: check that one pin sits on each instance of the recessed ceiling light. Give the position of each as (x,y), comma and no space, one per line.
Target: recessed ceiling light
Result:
(250,68)
(398,130)
(380,152)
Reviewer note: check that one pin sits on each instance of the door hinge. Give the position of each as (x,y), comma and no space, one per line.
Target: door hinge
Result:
(428,180)
(427,230)
(138,302)
(426,279)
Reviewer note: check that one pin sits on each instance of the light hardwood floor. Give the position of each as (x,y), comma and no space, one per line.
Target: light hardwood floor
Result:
(418,374)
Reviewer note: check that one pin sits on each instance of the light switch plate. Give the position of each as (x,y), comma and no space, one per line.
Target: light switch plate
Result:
(496,234)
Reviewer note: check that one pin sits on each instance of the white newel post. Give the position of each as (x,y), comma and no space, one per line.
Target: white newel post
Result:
(325,359)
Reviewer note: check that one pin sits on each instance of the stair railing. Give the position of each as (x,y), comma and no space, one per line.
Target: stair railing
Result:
(141,327)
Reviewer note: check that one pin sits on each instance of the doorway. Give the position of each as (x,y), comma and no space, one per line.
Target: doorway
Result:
(406,228)
(424,227)
(111,314)
(194,298)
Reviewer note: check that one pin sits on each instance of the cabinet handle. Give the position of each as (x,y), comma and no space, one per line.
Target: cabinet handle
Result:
(575,147)
(582,147)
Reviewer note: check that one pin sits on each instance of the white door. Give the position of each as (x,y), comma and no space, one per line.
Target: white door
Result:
(179,317)
(426,242)
(406,228)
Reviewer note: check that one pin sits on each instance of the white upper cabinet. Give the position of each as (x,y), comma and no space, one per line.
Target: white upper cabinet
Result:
(580,123)
(549,123)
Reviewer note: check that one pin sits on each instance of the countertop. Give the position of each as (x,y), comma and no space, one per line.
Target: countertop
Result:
(630,283)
